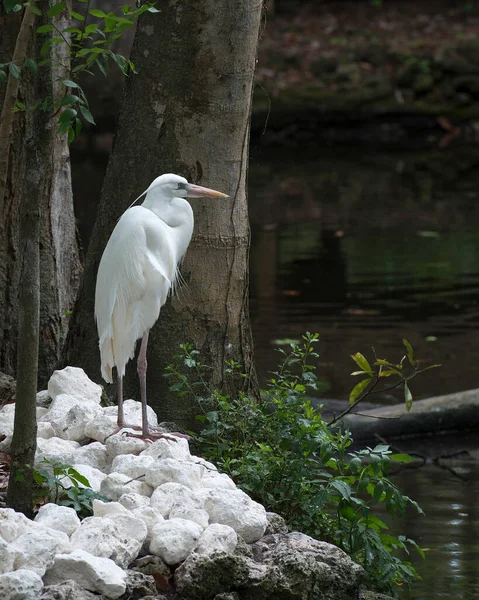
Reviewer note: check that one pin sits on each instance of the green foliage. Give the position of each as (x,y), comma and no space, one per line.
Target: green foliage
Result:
(89,42)
(282,453)
(62,484)
(404,370)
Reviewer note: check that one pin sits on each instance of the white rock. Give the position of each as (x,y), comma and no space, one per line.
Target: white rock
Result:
(133,466)
(7,557)
(174,500)
(95,455)
(61,518)
(60,538)
(56,450)
(172,470)
(213,479)
(94,476)
(150,517)
(20,585)
(35,550)
(132,412)
(7,415)
(217,537)
(59,407)
(170,493)
(132,501)
(120,443)
(201,461)
(93,573)
(100,428)
(117,484)
(236,509)
(71,426)
(174,539)
(190,513)
(41,410)
(164,448)
(119,537)
(13,524)
(43,399)
(74,381)
(110,509)
(45,430)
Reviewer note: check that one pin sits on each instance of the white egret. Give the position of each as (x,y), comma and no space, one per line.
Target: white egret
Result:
(137,271)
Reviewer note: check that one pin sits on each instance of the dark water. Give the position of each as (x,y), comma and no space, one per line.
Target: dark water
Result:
(367,248)
(449,532)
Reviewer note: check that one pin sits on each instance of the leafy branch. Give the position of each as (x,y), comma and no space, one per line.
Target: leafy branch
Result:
(376,373)
(89,47)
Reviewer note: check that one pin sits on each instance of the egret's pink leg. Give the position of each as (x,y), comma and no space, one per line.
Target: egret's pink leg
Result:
(142,365)
(120,422)
(147,434)
(121,417)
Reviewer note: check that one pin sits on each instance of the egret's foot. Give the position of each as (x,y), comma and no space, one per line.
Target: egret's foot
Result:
(120,427)
(158,434)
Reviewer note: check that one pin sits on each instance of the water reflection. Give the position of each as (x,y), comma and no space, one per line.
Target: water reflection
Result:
(449,535)
(367,249)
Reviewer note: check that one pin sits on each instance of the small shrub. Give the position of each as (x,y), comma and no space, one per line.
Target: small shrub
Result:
(62,484)
(284,455)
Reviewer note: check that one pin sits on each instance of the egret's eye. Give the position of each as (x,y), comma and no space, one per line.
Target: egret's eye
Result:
(181,186)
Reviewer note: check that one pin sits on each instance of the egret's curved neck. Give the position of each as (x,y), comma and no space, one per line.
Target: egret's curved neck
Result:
(176,213)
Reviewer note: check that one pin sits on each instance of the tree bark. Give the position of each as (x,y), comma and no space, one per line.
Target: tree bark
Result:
(22,451)
(59,261)
(187,111)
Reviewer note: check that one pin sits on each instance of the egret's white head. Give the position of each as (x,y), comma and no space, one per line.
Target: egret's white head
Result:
(171,186)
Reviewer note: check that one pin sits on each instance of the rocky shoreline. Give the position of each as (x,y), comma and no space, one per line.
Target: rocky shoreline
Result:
(170,525)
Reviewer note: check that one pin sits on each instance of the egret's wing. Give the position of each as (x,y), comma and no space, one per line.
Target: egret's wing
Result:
(133,280)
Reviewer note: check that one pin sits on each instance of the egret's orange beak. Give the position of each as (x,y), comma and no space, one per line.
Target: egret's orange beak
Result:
(196,191)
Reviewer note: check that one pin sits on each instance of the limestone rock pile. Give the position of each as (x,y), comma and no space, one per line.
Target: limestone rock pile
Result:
(170,514)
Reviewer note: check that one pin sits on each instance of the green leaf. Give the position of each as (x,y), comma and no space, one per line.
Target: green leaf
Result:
(152,9)
(377,521)
(69,100)
(35,10)
(78,17)
(56,9)
(65,120)
(3,76)
(78,127)
(69,83)
(402,458)
(45,47)
(407,396)
(14,70)
(409,352)
(362,362)
(45,29)
(87,115)
(97,13)
(389,372)
(9,5)
(31,65)
(358,389)
(342,487)
(76,476)
(348,513)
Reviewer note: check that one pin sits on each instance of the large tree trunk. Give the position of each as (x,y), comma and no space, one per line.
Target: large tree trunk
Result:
(186,112)
(59,262)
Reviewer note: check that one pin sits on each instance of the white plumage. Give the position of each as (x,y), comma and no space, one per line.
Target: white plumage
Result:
(137,271)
